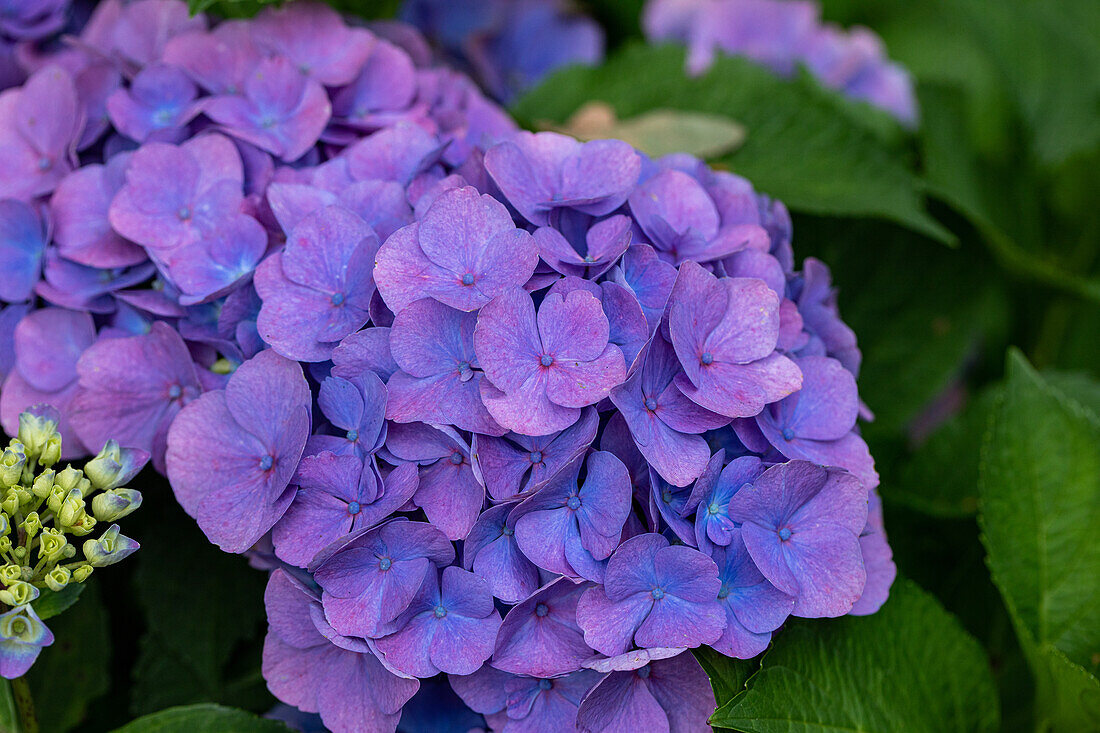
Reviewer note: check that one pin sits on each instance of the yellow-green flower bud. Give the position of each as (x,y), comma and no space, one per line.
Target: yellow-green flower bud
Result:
(109,548)
(10,503)
(68,552)
(20,553)
(53,501)
(51,452)
(32,524)
(72,509)
(5,525)
(81,573)
(58,578)
(68,478)
(18,594)
(36,428)
(5,544)
(42,485)
(114,504)
(11,464)
(25,497)
(11,574)
(51,544)
(87,524)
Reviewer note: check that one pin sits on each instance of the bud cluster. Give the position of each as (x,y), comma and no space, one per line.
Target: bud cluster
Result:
(44,512)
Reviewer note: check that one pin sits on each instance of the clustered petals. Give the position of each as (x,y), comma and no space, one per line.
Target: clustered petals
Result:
(536,414)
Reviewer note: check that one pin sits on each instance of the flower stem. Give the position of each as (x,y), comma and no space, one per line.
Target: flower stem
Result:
(24,704)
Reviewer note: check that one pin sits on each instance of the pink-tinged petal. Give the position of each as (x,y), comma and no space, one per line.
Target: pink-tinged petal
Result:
(132,388)
(742,390)
(467,643)
(527,409)
(402,272)
(287,603)
(826,406)
(316,39)
(506,340)
(541,536)
(79,212)
(571,383)
(409,650)
(48,343)
(540,636)
(678,200)
(573,328)
(608,625)
(288,317)
(314,520)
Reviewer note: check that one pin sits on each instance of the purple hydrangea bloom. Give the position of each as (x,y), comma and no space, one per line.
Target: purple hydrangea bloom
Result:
(725,331)
(355,408)
(543,370)
(131,389)
(654,595)
(801,524)
(279,110)
(520,703)
(39,124)
(22,244)
(22,636)
(540,636)
(450,626)
(159,102)
(315,39)
(543,173)
(371,578)
(439,380)
(382,93)
(817,422)
(48,343)
(337,496)
(570,530)
(464,252)
(491,551)
(318,289)
(79,209)
(666,694)
(649,278)
(450,493)
(711,494)
(218,61)
(309,665)
(666,425)
(782,35)
(754,607)
(517,464)
(682,222)
(248,436)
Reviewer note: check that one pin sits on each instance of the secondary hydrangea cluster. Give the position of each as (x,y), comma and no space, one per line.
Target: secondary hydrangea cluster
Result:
(40,507)
(532,414)
(783,35)
(508,45)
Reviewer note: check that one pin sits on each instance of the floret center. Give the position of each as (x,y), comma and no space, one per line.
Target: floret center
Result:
(546,360)
(541,610)
(354,508)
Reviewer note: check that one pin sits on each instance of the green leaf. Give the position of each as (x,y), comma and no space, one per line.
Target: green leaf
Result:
(908,667)
(727,676)
(204,718)
(1047,54)
(205,619)
(658,132)
(803,146)
(74,670)
(49,604)
(1040,515)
